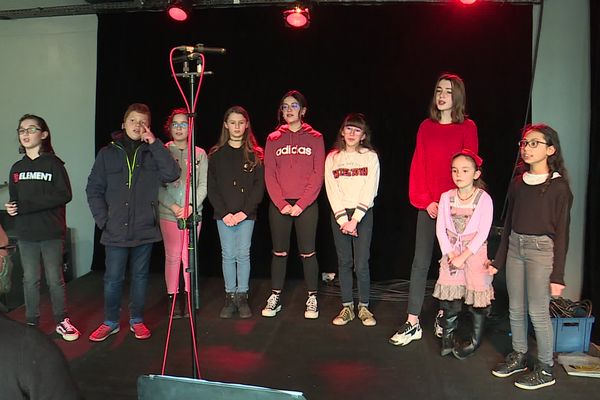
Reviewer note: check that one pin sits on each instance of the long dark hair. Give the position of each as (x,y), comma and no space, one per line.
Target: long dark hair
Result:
(459,99)
(253,153)
(357,120)
(299,98)
(556,162)
(46,145)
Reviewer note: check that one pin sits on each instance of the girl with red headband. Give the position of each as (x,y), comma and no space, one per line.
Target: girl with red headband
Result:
(464,220)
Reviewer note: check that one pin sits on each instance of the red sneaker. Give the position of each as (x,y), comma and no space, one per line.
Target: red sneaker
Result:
(102,332)
(140,330)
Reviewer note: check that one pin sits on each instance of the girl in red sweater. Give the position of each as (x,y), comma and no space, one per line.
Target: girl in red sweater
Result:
(446,132)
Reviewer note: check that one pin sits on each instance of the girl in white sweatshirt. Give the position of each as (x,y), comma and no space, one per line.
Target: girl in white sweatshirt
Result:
(351,181)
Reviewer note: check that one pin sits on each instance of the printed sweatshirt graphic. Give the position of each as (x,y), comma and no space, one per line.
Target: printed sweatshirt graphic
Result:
(294,164)
(41,189)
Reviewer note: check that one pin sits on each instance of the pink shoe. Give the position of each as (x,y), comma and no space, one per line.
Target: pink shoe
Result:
(140,330)
(102,332)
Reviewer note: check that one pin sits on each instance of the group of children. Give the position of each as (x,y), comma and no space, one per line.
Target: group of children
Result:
(139,188)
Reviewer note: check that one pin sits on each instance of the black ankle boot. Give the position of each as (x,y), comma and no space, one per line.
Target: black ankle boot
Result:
(241,301)
(183,305)
(229,308)
(462,351)
(176,312)
(449,324)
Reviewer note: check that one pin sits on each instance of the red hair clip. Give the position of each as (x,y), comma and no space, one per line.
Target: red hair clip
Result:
(470,153)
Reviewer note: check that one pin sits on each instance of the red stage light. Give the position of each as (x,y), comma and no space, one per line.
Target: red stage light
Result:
(468,2)
(297,17)
(179,10)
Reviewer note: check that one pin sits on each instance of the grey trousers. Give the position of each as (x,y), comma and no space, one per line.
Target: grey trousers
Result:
(51,253)
(528,268)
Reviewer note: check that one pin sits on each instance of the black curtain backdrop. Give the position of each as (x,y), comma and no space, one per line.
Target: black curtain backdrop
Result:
(379,60)
(591,276)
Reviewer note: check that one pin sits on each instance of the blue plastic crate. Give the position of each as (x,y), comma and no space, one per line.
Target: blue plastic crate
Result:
(572,334)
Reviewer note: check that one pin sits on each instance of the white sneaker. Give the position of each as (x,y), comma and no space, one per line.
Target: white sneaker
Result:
(437,326)
(67,330)
(273,306)
(406,334)
(312,308)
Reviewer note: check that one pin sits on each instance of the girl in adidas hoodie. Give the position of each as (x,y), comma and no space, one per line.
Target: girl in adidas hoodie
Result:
(351,180)
(39,191)
(294,164)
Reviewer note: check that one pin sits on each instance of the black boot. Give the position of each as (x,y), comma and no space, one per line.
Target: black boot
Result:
(462,351)
(241,301)
(449,324)
(229,308)
(176,312)
(183,305)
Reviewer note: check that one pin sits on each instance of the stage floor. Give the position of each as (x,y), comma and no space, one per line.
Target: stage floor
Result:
(286,352)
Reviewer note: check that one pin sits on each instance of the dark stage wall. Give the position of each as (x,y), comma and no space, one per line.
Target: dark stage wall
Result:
(380,60)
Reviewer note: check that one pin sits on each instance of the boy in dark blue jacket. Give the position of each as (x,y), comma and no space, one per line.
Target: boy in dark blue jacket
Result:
(122,193)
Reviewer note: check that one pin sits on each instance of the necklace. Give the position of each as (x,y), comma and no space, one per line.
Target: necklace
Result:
(235,140)
(468,197)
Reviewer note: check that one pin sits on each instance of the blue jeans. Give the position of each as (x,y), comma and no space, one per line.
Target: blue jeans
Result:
(116,264)
(235,250)
(51,253)
(528,268)
(353,254)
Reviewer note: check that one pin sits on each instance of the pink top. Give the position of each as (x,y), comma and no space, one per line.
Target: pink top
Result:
(430,170)
(479,224)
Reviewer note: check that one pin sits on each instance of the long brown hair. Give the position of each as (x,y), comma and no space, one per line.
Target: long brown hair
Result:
(253,153)
(556,162)
(459,99)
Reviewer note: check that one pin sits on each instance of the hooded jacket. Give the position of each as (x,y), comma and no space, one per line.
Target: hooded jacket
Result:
(294,165)
(174,192)
(122,192)
(41,189)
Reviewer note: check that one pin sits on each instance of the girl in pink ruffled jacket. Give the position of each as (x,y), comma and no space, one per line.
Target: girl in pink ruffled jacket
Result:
(464,220)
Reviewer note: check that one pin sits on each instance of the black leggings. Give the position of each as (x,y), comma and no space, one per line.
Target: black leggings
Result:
(306,231)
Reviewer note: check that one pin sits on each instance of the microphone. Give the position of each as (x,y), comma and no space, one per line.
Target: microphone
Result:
(188,57)
(200,48)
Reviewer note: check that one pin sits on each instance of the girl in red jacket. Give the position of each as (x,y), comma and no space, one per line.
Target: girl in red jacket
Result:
(294,165)
(447,131)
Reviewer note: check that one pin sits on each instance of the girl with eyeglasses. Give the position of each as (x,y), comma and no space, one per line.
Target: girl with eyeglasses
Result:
(172,207)
(351,181)
(533,249)
(294,163)
(39,190)
(235,189)
(446,132)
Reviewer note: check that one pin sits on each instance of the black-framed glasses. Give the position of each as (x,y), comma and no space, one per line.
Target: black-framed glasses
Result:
(182,125)
(293,106)
(533,143)
(31,130)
